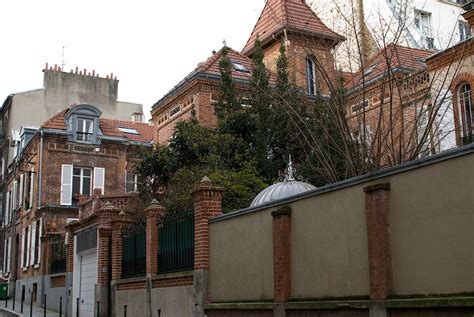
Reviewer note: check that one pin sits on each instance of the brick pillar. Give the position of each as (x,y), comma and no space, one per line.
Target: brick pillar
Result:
(281,254)
(377,204)
(152,214)
(118,224)
(105,214)
(207,199)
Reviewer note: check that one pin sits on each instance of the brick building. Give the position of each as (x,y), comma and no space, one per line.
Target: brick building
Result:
(388,104)
(24,112)
(309,45)
(72,155)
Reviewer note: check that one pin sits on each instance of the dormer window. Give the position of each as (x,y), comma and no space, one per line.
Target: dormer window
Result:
(83,123)
(84,130)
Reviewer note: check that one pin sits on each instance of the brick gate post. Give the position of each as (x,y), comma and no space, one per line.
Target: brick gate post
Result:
(207,199)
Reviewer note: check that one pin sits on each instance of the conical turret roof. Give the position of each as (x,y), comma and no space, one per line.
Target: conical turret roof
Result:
(290,15)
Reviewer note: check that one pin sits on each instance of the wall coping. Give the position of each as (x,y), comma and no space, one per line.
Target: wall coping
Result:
(430,302)
(405,167)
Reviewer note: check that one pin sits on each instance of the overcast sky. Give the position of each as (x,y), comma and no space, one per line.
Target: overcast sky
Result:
(149,45)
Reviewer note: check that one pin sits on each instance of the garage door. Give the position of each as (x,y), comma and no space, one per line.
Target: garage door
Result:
(87,286)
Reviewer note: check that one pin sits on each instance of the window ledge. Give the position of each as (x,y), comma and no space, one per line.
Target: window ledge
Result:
(36,266)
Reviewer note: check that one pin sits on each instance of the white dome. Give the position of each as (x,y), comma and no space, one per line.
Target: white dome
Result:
(281,190)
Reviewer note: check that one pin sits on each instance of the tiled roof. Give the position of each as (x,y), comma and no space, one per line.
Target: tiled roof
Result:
(292,15)
(393,57)
(211,67)
(108,127)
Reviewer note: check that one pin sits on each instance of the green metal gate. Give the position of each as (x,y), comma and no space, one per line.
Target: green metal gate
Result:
(176,242)
(134,253)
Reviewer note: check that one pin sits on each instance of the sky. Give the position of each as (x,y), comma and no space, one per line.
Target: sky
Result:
(149,45)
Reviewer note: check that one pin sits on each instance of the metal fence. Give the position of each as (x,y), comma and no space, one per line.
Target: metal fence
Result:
(58,255)
(176,242)
(134,253)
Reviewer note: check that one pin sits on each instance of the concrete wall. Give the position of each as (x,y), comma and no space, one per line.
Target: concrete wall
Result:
(329,255)
(430,220)
(241,258)
(173,301)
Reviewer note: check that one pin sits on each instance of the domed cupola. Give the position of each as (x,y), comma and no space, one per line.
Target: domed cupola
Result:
(287,187)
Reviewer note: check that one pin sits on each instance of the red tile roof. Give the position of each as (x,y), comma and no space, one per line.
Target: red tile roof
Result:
(292,15)
(211,67)
(393,57)
(108,127)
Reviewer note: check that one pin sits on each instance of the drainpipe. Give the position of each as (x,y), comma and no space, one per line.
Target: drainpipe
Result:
(40,170)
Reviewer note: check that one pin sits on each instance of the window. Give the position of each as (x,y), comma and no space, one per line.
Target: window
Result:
(464,31)
(37,249)
(310,76)
(466,113)
(77,181)
(131,181)
(423,23)
(128,130)
(175,110)
(81,181)
(84,129)
(26,243)
(239,67)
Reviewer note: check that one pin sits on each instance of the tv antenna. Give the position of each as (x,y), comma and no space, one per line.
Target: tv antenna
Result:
(63,63)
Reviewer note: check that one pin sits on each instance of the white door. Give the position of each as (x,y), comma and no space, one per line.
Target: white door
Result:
(87,284)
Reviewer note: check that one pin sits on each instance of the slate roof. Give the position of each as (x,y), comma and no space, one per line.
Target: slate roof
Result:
(108,127)
(210,68)
(292,15)
(394,57)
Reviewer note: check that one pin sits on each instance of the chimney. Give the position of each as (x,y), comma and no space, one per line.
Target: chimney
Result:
(469,14)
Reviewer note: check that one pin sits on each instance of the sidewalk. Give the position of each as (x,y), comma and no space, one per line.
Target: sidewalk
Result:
(37,311)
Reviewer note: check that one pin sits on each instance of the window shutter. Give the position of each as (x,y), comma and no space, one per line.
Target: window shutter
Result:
(22,248)
(38,260)
(14,198)
(28,246)
(99,178)
(33,243)
(66,185)
(7,208)
(5,256)
(9,253)
(20,196)
(32,188)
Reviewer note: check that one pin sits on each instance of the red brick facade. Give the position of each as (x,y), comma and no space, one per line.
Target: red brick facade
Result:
(281,254)
(377,201)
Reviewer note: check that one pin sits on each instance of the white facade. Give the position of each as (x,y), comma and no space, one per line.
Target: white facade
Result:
(428,24)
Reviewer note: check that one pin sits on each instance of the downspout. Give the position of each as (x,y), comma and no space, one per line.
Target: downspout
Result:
(40,170)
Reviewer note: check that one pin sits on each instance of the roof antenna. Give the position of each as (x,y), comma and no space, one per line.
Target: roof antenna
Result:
(63,63)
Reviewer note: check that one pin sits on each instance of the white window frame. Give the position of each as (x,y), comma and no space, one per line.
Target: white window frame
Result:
(81,178)
(81,133)
(135,182)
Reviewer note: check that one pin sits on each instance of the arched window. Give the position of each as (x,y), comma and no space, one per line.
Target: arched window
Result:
(310,76)
(466,112)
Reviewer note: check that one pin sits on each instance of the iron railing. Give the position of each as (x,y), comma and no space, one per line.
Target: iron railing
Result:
(176,242)
(134,253)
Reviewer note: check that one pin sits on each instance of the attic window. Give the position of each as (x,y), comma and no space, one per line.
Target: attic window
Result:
(84,129)
(369,70)
(239,67)
(128,130)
